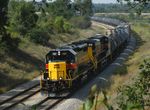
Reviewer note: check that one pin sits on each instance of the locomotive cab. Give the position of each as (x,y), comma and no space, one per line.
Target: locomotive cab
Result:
(58,61)
(60,65)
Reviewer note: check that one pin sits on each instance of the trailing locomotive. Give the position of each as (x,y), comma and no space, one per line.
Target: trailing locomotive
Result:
(69,66)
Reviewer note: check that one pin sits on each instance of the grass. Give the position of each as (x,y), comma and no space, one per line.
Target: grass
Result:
(23,64)
(130,69)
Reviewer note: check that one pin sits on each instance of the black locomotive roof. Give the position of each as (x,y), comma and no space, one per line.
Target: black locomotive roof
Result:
(65,49)
(78,45)
(98,36)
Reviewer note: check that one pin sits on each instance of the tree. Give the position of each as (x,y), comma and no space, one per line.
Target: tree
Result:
(41,6)
(58,23)
(84,6)
(87,7)
(61,8)
(22,17)
(3,17)
(138,5)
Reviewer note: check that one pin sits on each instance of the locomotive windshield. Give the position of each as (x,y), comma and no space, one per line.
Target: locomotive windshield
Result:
(56,56)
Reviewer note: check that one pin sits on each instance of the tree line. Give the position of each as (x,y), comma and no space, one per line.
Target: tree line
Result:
(118,8)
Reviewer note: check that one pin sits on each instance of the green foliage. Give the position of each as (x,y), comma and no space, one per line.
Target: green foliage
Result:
(61,8)
(136,95)
(122,70)
(89,103)
(137,5)
(46,23)
(84,7)
(111,8)
(22,17)
(39,36)
(3,48)
(34,107)
(61,25)
(87,8)
(81,22)
(145,69)
(58,24)
(67,26)
(3,17)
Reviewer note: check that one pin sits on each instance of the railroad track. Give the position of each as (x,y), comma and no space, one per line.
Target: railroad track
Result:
(48,103)
(44,104)
(20,97)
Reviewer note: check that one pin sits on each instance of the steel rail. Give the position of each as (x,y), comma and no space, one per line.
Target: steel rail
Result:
(11,102)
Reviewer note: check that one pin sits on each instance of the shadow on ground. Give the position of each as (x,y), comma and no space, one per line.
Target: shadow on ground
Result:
(21,62)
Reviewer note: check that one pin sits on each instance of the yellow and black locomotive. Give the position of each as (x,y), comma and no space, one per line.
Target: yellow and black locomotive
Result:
(69,66)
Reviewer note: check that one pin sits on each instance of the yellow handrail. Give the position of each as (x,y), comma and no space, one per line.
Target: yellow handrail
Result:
(70,79)
(91,57)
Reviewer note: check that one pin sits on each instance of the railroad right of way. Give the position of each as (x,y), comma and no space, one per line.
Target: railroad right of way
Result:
(27,90)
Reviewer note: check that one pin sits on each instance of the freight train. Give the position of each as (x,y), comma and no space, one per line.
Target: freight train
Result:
(69,66)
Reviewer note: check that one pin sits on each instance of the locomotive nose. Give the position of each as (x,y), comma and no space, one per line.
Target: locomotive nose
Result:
(57,70)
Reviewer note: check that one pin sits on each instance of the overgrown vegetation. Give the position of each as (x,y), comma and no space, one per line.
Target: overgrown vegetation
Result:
(136,95)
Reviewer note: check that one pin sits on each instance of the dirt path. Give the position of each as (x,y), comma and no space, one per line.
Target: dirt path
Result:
(105,26)
(103,79)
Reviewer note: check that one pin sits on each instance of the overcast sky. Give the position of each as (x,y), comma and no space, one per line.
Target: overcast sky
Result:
(104,1)
(100,1)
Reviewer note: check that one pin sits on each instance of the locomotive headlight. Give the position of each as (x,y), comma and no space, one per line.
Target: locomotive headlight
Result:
(47,78)
(58,52)
(60,78)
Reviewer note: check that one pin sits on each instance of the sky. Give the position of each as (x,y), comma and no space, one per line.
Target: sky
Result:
(100,1)
(104,1)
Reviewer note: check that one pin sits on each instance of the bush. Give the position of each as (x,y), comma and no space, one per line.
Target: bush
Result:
(136,96)
(67,26)
(3,48)
(46,23)
(58,24)
(81,22)
(121,70)
(39,36)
